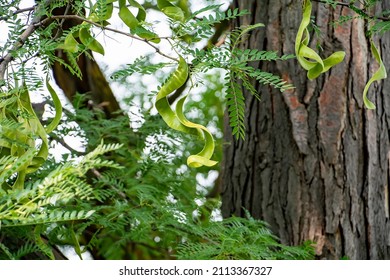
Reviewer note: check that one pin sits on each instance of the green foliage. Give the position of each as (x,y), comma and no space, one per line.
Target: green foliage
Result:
(240,239)
(380,27)
(196,29)
(241,71)
(379,23)
(59,187)
(141,65)
(142,208)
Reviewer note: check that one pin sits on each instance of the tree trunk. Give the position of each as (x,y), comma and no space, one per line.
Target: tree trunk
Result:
(315,162)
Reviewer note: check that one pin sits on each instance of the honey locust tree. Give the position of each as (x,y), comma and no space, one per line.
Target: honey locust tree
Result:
(315,160)
(131,192)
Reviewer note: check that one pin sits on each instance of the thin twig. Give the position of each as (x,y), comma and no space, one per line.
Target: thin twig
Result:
(58,33)
(63,143)
(4,61)
(353,8)
(336,3)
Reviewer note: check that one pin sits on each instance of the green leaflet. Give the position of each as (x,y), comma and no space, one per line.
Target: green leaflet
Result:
(172,11)
(70,44)
(178,121)
(378,75)
(103,14)
(19,165)
(141,15)
(183,4)
(133,22)
(89,41)
(306,56)
(126,16)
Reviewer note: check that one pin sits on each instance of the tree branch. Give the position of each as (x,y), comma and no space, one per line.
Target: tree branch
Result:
(19,11)
(4,61)
(113,30)
(334,2)
(37,22)
(9,56)
(353,8)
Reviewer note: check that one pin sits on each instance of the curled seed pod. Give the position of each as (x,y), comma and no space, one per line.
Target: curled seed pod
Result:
(378,75)
(307,57)
(177,120)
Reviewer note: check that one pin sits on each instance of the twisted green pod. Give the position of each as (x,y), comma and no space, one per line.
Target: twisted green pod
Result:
(178,121)
(314,64)
(21,144)
(378,75)
(306,56)
(203,157)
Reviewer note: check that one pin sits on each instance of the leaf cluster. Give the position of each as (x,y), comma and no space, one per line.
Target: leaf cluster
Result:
(239,73)
(240,239)
(197,28)
(136,207)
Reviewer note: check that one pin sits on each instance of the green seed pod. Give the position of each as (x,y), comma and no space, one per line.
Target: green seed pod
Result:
(378,75)
(307,57)
(177,120)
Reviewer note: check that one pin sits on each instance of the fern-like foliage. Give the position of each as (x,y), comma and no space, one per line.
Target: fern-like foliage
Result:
(25,207)
(247,74)
(379,23)
(380,27)
(141,65)
(240,239)
(239,74)
(236,106)
(196,29)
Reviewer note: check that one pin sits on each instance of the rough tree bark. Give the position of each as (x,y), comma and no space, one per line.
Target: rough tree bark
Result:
(315,164)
